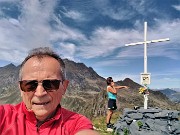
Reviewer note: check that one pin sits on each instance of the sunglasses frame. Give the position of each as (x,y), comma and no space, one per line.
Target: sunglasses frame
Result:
(48,85)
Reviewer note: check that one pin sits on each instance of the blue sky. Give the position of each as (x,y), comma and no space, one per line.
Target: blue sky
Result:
(95,32)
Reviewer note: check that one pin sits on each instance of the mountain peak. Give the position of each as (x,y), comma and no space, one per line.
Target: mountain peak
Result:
(130,83)
(127,80)
(8,67)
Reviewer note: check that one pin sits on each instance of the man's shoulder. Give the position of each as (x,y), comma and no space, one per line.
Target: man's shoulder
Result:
(8,108)
(75,121)
(67,114)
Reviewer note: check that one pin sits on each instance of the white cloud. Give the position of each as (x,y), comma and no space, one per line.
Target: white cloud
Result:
(124,10)
(62,32)
(121,14)
(106,40)
(115,12)
(75,15)
(103,42)
(67,50)
(177,7)
(32,29)
(15,22)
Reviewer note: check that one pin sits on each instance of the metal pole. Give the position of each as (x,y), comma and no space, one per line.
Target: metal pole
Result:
(145,47)
(145,62)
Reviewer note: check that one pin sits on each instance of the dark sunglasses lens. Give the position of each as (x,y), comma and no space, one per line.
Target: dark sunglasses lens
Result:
(28,85)
(51,84)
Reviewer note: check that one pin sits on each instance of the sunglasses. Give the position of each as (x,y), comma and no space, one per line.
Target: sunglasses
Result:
(31,85)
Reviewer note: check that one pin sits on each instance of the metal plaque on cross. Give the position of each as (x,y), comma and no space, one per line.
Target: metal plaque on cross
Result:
(145,78)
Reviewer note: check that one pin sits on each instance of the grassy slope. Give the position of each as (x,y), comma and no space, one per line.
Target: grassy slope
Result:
(100,123)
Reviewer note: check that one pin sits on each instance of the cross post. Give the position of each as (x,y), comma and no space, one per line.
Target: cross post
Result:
(145,77)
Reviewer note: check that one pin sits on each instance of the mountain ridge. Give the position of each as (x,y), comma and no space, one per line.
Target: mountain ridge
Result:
(86,93)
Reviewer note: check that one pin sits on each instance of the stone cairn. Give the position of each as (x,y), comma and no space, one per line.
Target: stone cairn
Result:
(151,121)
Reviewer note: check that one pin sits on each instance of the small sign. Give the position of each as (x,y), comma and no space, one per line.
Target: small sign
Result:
(145,78)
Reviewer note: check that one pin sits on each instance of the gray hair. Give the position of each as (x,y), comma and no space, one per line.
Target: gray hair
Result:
(40,53)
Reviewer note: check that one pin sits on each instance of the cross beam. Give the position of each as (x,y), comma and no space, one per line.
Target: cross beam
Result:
(145,42)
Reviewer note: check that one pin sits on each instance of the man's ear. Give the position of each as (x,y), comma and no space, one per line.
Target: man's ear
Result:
(65,85)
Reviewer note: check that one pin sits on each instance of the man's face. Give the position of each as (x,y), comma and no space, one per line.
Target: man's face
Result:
(41,102)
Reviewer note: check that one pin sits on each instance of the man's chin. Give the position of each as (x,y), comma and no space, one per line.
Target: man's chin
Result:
(41,115)
(40,110)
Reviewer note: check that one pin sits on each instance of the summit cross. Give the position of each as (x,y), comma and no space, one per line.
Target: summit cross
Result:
(145,77)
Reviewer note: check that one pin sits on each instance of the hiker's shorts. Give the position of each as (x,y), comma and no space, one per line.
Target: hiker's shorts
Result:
(112,104)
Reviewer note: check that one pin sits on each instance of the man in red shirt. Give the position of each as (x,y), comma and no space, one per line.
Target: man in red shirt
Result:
(42,84)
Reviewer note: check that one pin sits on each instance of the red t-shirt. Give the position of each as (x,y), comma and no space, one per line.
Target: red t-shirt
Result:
(17,120)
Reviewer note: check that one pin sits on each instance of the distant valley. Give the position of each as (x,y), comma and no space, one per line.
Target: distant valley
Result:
(173,95)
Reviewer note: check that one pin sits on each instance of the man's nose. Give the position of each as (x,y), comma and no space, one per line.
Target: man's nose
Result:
(40,91)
